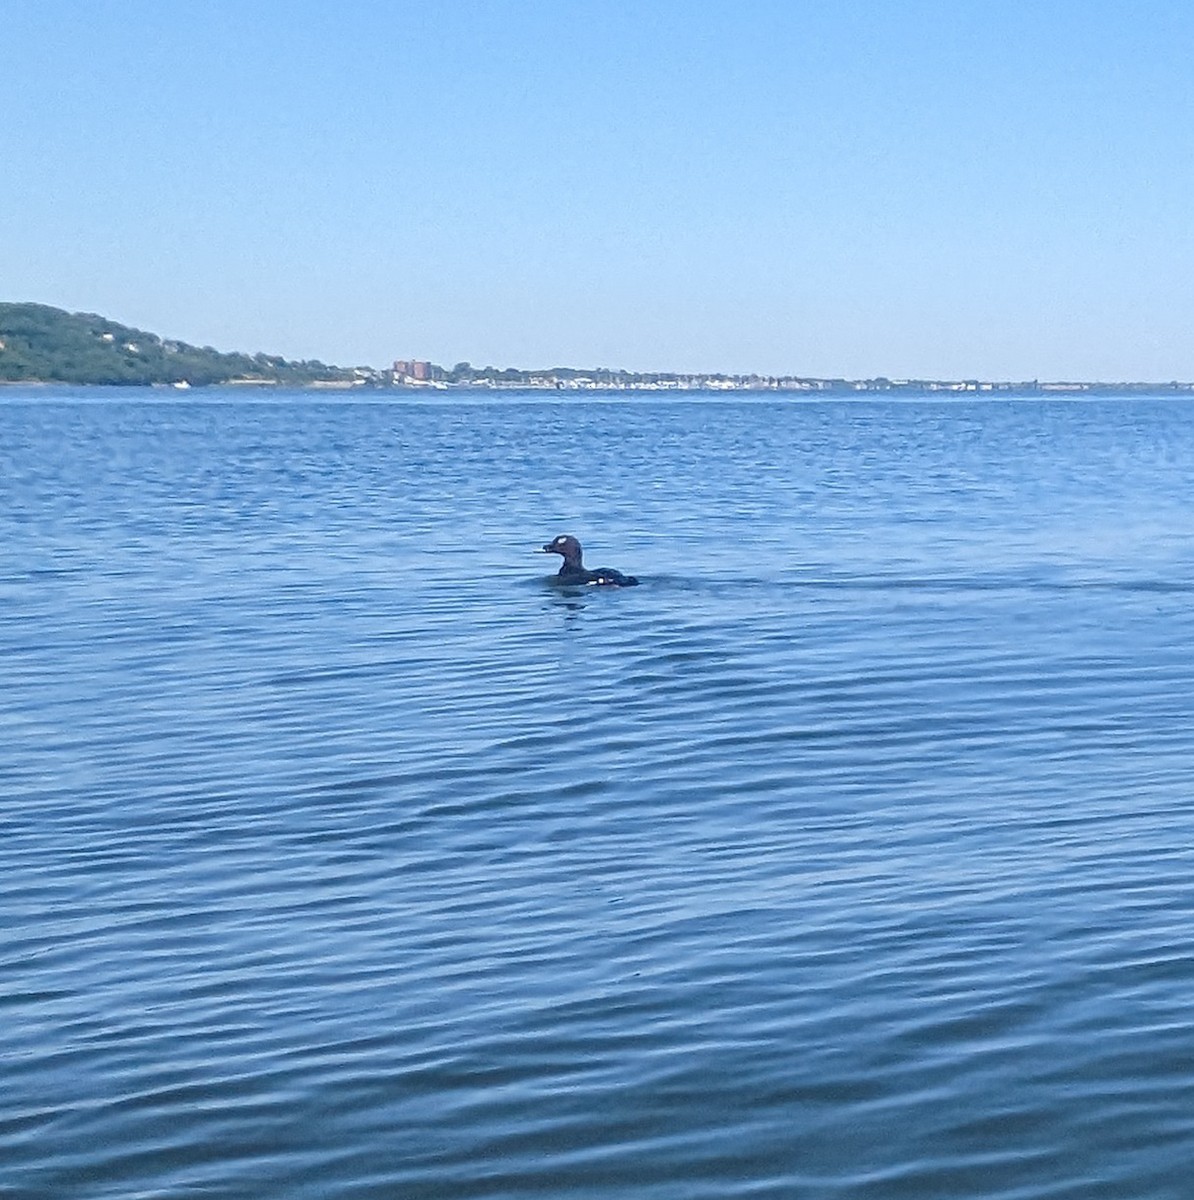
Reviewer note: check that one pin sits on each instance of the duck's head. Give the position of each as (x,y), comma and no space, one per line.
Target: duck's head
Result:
(566,545)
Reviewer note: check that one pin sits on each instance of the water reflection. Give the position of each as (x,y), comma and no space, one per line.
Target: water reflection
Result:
(571,600)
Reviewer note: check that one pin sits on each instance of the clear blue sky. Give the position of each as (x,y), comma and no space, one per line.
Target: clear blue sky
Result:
(902,187)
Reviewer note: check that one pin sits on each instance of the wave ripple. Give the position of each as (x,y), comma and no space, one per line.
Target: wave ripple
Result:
(849,856)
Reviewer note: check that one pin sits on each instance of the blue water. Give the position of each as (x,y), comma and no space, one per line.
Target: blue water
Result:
(849,856)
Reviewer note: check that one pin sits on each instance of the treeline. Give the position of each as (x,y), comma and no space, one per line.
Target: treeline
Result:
(39,343)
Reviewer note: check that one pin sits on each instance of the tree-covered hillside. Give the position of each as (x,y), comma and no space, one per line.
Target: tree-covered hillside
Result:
(43,344)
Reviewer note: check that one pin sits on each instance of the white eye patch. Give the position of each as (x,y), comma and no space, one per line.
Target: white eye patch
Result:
(560,541)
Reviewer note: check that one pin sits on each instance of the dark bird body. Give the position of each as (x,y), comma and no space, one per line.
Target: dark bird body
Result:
(574,571)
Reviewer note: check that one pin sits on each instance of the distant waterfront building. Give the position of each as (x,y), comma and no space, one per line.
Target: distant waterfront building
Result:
(409,368)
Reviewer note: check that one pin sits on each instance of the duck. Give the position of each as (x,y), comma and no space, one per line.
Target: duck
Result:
(573,570)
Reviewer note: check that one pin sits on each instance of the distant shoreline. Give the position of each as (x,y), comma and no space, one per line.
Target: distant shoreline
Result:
(45,347)
(831,391)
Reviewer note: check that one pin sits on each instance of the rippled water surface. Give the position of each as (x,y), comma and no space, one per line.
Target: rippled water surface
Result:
(850,855)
